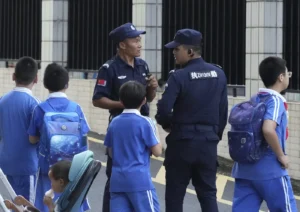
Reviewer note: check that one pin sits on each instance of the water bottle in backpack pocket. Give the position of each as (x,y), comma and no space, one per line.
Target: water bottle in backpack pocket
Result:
(245,138)
(61,137)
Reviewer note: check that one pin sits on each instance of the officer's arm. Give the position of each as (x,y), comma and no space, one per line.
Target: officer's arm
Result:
(223,111)
(166,103)
(151,93)
(152,84)
(103,90)
(106,103)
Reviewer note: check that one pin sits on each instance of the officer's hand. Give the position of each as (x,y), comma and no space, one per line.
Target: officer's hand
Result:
(152,82)
(284,161)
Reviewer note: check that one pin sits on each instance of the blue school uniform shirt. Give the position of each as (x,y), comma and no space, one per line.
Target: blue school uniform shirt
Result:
(131,135)
(59,102)
(268,167)
(17,155)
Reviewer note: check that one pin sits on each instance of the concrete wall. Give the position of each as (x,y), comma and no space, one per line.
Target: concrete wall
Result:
(81,91)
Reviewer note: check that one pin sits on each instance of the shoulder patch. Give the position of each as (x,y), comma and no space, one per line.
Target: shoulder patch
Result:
(172,71)
(203,75)
(107,64)
(217,65)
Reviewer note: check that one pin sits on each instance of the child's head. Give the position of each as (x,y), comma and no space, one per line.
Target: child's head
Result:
(59,175)
(274,73)
(25,71)
(132,95)
(56,78)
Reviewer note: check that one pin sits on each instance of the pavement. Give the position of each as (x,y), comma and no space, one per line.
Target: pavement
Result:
(225,184)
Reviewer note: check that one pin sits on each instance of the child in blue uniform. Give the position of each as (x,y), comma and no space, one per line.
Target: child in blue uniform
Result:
(56,80)
(268,178)
(18,157)
(130,139)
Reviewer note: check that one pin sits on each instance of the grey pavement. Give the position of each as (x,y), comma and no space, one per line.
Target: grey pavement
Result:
(191,203)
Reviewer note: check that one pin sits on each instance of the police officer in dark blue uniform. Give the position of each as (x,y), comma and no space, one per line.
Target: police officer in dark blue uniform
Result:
(123,67)
(193,109)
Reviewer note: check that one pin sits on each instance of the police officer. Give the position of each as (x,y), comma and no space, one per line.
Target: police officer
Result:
(193,108)
(123,67)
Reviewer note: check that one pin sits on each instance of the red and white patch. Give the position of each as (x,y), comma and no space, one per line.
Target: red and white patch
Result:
(101,82)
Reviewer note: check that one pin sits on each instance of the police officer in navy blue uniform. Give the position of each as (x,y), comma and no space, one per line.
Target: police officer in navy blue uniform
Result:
(123,67)
(193,109)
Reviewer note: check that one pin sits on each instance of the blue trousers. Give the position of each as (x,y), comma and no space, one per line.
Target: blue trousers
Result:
(23,185)
(278,194)
(134,201)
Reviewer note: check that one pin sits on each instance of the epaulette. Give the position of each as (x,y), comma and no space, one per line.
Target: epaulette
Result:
(107,63)
(217,65)
(172,71)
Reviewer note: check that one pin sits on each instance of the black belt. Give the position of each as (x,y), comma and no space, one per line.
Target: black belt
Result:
(195,127)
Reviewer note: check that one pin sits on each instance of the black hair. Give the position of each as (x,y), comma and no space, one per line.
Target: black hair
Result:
(56,77)
(132,94)
(26,70)
(196,49)
(60,170)
(270,68)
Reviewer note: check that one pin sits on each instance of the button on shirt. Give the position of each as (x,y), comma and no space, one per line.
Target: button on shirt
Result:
(113,74)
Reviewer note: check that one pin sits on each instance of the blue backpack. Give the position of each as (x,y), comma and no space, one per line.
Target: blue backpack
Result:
(61,136)
(245,138)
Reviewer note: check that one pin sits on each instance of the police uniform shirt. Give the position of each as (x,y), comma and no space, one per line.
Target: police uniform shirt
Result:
(113,74)
(196,94)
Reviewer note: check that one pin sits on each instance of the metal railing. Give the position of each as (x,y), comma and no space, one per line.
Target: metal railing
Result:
(20,25)
(291,41)
(223,25)
(90,22)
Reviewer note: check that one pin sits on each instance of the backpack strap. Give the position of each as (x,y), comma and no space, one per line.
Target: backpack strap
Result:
(46,107)
(266,98)
(253,98)
(72,107)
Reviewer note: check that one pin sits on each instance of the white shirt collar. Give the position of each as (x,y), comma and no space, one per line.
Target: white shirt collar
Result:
(23,89)
(273,92)
(132,111)
(57,95)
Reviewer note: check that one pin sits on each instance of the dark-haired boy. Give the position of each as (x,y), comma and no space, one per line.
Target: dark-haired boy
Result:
(268,178)
(56,79)
(130,139)
(18,158)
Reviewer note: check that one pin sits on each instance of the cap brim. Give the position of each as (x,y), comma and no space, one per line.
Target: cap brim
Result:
(136,34)
(172,45)
(142,32)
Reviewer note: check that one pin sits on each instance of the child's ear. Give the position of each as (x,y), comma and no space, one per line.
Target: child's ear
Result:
(35,79)
(145,100)
(67,86)
(61,182)
(14,76)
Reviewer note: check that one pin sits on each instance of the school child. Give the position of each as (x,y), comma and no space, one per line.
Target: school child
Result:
(266,178)
(59,126)
(130,139)
(18,158)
